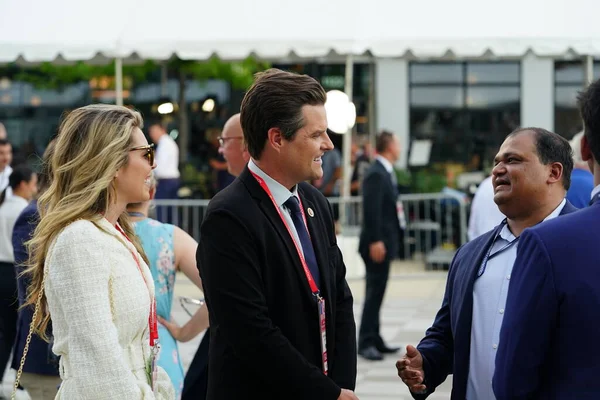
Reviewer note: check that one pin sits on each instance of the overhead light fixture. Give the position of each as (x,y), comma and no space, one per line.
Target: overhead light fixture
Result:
(208,105)
(165,106)
(341,112)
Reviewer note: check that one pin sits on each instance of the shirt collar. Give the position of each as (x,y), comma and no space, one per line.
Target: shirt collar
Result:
(279,192)
(507,235)
(595,191)
(17,199)
(386,163)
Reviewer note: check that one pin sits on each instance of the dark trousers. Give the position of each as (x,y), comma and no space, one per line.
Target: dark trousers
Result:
(376,282)
(196,379)
(9,305)
(166,189)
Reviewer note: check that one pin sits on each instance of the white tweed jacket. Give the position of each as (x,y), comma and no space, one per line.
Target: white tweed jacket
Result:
(99,305)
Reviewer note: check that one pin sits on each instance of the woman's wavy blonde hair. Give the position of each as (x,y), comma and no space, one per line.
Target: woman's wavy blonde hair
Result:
(93,142)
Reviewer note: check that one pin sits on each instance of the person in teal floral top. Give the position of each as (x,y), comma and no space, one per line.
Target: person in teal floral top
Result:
(169,249)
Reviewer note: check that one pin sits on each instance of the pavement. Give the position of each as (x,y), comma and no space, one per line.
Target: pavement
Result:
(413,297)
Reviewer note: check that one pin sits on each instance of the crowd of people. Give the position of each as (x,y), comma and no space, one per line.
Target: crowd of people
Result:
(94,274)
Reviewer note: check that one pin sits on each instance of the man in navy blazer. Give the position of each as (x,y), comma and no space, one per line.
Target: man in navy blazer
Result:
(549,339)
(530,179)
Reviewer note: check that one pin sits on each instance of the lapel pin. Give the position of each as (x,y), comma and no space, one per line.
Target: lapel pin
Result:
(310,211)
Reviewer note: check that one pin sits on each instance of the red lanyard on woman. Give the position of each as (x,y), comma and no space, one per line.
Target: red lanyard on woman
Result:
(152,320)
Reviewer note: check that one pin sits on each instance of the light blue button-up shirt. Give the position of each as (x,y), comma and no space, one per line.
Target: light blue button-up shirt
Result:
(280,194)
(489,299)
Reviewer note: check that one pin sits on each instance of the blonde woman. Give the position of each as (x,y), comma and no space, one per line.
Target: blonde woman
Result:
(89,272)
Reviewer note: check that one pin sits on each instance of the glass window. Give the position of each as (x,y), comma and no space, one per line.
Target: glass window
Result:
(478,73)
(568,72)
(568,81)
(466,109)
(437,97)
(431,73)
(566,96)
(492,97)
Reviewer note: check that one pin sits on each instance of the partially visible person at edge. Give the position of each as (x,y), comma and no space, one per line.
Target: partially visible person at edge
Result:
(169,249)
(582,180)
(40,372)
(548,341)
(23,186)
(280,307)
(88,270)
(235,153)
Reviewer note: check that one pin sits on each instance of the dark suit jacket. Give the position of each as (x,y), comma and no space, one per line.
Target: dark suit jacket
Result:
(380,215)
(40,359)
(446,347)
(265,340)
(549,339)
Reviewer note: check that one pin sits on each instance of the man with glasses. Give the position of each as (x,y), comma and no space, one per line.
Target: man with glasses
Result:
(531,177)
(232,147)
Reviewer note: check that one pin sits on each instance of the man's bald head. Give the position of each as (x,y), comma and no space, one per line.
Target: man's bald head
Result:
(232,146)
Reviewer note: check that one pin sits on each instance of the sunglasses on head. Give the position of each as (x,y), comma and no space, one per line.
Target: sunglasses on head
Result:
(149,152)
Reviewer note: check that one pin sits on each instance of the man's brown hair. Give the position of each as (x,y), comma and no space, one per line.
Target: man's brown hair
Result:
(275,100)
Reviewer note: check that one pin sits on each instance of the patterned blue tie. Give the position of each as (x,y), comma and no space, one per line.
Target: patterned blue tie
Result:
(309,253)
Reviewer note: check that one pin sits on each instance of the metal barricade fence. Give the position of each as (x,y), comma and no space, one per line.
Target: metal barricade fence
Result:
(186,214)
(436,223)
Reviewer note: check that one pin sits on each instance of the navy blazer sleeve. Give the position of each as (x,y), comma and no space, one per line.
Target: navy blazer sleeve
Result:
(527,329)
(437,347)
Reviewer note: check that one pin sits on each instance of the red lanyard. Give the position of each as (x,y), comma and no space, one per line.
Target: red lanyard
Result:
(152,320)
(309,277)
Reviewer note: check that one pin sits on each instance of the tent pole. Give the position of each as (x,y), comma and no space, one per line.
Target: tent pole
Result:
(346,147)
(119,81)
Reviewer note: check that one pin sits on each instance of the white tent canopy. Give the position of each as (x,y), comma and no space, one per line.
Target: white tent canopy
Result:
(39,30)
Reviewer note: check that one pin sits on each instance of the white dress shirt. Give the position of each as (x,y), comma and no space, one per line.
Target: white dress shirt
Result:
(485,214)
(9,212)
(4,175)
(280,194)
(595,191)
(167,159)
(386,163)
(489,299)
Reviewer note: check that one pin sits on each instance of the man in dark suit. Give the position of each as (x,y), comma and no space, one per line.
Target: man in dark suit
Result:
(236,154)
(531,177)
(549,338)
(282,324)
(379,241)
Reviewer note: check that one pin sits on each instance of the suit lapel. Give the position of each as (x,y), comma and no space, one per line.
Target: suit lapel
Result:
(568,208)
(270,212)
(465,281)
